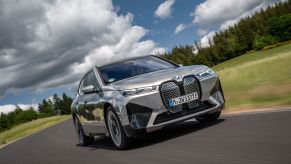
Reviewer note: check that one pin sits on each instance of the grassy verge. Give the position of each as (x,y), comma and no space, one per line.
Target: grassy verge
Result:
(257,79)
(29,128)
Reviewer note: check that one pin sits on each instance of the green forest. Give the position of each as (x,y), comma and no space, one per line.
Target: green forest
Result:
(56,106)
(262,30)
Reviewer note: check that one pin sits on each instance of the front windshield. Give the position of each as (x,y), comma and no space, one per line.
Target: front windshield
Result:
(133,67)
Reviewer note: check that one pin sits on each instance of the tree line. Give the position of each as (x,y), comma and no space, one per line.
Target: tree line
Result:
(260,30)
(48,107)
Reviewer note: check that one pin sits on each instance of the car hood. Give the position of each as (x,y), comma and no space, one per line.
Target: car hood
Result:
(157,77)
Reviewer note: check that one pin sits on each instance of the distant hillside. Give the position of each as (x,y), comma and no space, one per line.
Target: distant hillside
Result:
(267,27)
(257,79)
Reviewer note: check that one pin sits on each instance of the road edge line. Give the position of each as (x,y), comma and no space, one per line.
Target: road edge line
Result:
(256,110)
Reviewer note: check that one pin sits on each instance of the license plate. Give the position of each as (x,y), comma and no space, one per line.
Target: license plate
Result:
(183,99)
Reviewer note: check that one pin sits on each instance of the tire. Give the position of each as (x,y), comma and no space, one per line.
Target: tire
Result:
(82,139)
(115,129)
(209,117)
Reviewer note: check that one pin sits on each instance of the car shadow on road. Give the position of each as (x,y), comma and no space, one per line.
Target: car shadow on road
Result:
(167,133)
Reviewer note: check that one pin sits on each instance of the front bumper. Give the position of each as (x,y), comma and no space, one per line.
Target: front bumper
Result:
(153,127)
(147,112)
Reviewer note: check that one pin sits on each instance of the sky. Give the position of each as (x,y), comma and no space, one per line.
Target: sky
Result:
(47,45)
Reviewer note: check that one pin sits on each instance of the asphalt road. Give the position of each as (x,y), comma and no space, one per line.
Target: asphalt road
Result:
(254,138)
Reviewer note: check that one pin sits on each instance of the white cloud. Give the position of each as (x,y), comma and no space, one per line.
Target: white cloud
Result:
(128,45)
(215,12)
(9,107)
(205,39)
(228,23)
(158,51)
(165,9)
(220,13)
(180,28)
(50,98)
(202,32)
(47,44)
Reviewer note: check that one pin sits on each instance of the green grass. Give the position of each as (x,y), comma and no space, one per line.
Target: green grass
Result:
(29,128)
(257,79)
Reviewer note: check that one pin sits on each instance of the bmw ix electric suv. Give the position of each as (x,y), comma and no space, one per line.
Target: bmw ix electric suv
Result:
(143,94)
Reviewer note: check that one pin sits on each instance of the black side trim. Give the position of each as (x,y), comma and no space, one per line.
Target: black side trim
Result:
(138,115)
(216,88)
(131,131)
(167,116)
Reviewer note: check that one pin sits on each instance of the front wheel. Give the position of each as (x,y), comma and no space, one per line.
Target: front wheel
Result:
(115,129)
(209,117)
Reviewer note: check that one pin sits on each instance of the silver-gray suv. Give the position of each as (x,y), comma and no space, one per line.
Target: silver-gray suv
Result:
(143,94)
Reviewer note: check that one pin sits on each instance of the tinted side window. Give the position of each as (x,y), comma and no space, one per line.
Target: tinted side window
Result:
(90,79)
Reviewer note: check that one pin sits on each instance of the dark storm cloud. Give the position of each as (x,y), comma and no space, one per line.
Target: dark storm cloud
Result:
(45,44)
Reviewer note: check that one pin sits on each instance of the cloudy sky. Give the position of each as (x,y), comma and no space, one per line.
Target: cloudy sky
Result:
(47,45)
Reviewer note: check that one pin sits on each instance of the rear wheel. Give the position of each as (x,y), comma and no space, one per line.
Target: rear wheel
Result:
(209,117)
(115,129)
(82,139)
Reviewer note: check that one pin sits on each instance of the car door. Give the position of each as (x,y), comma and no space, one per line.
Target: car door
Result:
(93,106)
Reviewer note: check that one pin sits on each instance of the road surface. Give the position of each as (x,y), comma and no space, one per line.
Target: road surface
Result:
(251,138)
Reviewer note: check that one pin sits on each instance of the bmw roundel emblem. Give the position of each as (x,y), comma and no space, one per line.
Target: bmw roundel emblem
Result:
(178,78)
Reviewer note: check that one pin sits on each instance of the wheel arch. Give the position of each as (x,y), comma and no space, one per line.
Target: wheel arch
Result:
(127,131)
(74,116)
(105,107)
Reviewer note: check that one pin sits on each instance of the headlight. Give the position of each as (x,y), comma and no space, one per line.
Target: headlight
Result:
(205,74)
(131,92)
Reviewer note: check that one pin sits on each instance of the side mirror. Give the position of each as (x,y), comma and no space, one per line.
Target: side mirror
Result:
(88,89)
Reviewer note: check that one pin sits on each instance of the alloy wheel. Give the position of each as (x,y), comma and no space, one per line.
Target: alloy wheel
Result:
(114,128)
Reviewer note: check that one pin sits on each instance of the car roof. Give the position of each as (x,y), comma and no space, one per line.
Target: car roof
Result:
(120,60)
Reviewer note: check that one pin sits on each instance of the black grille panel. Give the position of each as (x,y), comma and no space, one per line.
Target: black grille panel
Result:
(191,85)
(133,108)
(167,116)
(138,115)
(170,90)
